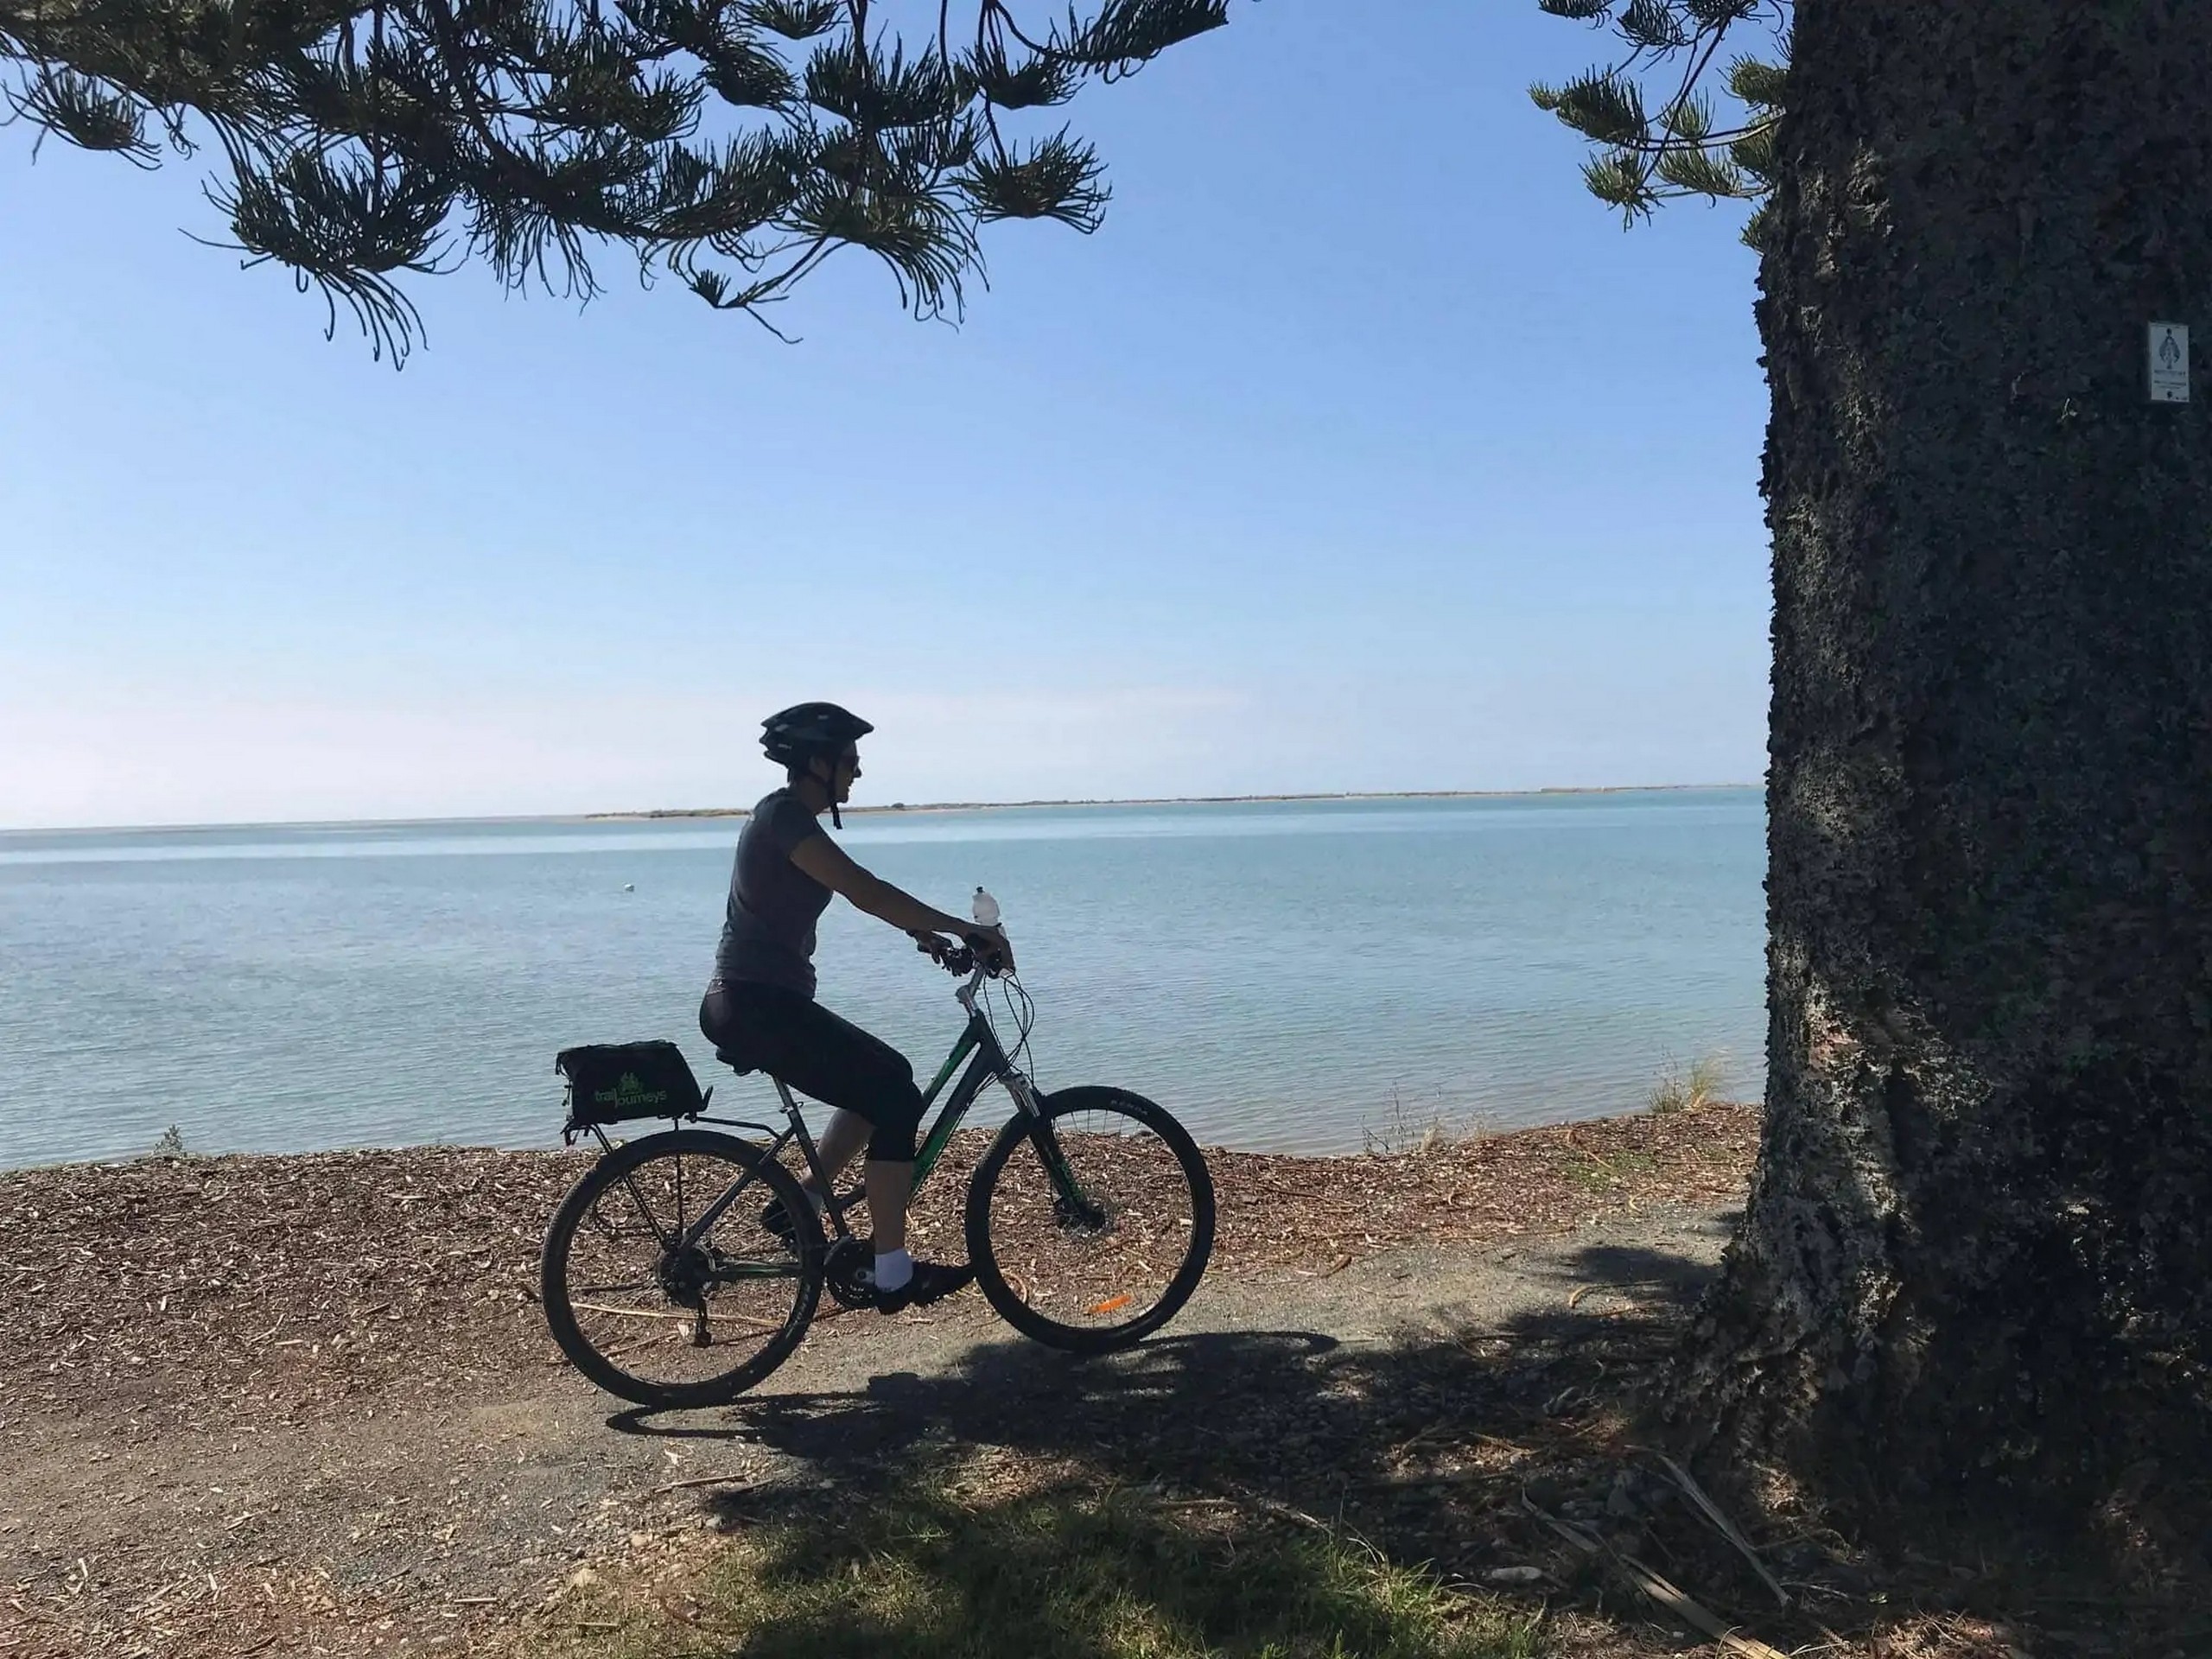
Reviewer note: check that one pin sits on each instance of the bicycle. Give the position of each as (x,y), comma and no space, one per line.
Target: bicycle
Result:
(1089,1218)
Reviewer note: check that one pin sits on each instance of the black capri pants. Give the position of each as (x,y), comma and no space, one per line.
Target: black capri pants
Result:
(796,1039)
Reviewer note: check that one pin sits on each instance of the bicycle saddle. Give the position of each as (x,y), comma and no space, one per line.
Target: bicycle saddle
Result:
(736,1062)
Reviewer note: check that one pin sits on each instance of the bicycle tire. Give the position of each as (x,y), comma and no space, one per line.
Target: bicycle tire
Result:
(623,1161)
(990,1256)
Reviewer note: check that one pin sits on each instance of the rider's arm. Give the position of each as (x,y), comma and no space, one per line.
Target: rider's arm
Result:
(827,862)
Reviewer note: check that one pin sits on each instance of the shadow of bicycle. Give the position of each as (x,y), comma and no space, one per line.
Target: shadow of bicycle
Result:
(1450,1449)
(1293,1417)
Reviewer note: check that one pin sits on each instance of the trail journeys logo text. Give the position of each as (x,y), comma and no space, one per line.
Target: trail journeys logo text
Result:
(627,1092)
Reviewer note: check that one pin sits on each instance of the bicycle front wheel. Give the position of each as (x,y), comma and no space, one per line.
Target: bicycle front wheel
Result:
(1090,1224)
(661,1297)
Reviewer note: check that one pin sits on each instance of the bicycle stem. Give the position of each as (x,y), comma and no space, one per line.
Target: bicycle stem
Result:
(965,996)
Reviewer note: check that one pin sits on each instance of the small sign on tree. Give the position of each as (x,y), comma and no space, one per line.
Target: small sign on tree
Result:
(2169,362)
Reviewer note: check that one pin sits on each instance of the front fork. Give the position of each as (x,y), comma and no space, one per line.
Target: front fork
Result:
(1069,1203)
(1024,1096)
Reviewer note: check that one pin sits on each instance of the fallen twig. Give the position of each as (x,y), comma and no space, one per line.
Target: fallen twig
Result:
(700,1480)
(684,1313)
(1722,1525)
(1278,1509)
(1656,1588)
(1457,1477)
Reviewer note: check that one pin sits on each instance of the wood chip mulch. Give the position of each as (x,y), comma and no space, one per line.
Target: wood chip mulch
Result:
(221,1355)
(291,1281)
(1309,1214)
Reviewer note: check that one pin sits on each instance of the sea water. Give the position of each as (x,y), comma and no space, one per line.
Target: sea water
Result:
(1297,976)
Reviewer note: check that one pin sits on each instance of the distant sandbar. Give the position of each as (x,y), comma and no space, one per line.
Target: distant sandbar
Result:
(1184,800)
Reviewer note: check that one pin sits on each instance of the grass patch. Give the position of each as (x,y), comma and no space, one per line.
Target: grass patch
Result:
(1408,1130)
(1073,1569)
(1690,1088)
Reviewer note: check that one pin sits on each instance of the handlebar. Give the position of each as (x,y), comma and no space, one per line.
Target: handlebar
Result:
(957,959)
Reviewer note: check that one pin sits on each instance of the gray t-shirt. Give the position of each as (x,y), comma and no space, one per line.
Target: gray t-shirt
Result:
(768,925)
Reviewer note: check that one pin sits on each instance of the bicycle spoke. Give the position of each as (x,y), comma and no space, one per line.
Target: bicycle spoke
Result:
(644,1209)
(1092,1218)
(669,1311)
(731,1195)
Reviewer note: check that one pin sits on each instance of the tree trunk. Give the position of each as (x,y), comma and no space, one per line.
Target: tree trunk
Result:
(1979,1245)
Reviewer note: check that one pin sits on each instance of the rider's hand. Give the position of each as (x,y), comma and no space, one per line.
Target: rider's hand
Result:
(993,946)
(934,945)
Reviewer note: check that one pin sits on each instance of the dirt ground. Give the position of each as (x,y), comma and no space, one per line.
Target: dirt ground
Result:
(307,1405)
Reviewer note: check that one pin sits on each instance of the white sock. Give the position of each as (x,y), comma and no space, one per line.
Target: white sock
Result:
(893,1270)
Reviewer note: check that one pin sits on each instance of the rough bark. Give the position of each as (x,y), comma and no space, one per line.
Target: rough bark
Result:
(1979,1246)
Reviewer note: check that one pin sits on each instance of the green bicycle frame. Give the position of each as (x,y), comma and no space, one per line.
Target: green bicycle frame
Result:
(978,1047)
(989,1065)
(940,1134)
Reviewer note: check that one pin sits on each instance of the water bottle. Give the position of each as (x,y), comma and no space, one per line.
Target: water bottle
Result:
(986,909)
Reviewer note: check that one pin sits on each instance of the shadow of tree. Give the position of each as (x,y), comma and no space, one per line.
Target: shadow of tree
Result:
(1453,1449)
(1066,1568)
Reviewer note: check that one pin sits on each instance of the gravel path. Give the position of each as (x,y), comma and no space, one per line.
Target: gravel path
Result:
(355,1495)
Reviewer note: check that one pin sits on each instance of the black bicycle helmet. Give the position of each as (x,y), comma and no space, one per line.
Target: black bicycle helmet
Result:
(799,734)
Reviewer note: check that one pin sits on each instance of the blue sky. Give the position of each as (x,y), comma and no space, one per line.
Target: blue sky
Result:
(1361,449)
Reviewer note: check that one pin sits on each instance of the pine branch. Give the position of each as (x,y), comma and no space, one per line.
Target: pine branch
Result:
(1698,172)
(1602,106)
(1123,37)
(1757,83)
(736,144)
(1653,26)
(1037,82)
(794,20)
(1058,178)
(89,114)
(1685,150)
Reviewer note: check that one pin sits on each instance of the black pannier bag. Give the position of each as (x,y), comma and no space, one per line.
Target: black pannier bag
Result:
(612,1082)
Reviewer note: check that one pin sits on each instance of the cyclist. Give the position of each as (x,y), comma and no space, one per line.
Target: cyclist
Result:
(761,1006)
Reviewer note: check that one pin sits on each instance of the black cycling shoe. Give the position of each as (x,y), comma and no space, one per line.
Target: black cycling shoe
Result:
(931,1281)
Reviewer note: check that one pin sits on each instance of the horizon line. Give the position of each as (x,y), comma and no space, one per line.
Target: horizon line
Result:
(657,814)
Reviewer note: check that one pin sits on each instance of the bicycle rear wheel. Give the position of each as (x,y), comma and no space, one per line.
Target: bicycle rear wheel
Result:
(668,1320)
(1105,1249)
